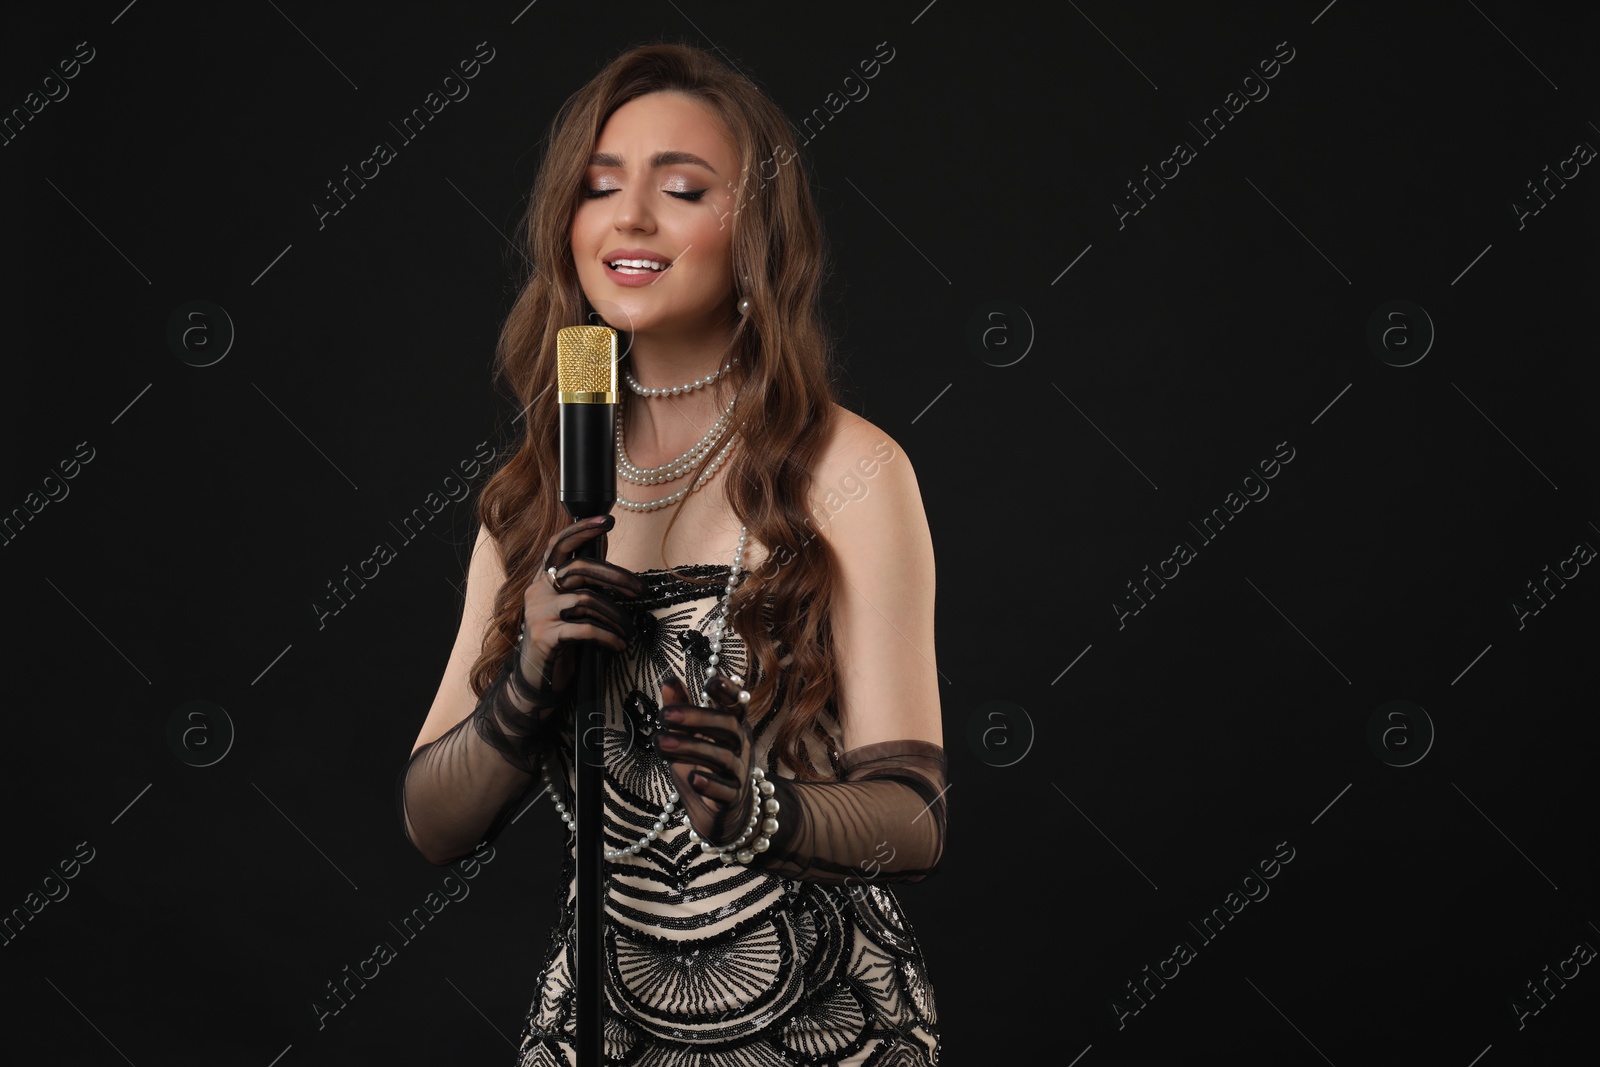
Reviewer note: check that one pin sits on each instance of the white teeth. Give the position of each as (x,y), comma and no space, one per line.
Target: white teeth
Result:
(641,264)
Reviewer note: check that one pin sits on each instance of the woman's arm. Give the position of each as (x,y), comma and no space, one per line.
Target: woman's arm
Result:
(474,758)
(886,821)
(882,616)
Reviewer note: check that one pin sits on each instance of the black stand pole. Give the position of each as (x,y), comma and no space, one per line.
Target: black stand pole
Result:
(589,768)
(593,427)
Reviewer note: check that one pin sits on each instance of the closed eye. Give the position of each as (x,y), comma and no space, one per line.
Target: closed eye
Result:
(596,194)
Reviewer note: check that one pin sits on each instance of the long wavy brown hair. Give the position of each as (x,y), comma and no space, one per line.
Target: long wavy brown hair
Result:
(784,379)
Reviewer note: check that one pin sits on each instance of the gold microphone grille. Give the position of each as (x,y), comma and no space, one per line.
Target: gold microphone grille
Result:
(586,360)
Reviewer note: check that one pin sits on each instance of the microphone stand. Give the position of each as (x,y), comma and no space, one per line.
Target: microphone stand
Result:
(586,358)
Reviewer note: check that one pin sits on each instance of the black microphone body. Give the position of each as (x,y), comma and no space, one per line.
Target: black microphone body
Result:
(588,459)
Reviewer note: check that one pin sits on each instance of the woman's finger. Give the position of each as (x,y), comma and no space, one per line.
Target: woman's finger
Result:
(566,633)
(595,573)
(551,632)
(565,542)
(673,691)
(678,747)
(722,725)
(722,734)
(589,607)
(704,811)
(713,787)
(733,697)
(726,694)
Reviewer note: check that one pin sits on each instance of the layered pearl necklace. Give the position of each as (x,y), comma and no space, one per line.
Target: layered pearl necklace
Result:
(677,390)
(680,465)
(674,468)
(760,790)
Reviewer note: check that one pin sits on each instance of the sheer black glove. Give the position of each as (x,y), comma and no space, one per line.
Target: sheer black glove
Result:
(710,752)
(885,822)
(574,600)
(571,601)
(461,788)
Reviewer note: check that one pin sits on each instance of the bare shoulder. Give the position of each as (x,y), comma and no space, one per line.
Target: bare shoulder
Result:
(858,458)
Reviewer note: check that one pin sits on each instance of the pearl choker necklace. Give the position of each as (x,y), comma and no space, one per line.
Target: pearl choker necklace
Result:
(676,390)
(714,660)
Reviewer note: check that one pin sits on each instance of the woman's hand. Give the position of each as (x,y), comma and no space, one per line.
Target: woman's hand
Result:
(559,614)
(710,752)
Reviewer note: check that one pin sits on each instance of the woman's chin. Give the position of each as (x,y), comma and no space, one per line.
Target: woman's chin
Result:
(613,314)
(647,324)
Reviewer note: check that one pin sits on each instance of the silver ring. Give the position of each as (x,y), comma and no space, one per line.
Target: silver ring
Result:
(551,574)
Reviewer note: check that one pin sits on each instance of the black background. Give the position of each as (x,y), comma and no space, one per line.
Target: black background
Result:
(1144,383)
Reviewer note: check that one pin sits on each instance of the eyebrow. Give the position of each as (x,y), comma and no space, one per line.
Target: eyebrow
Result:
(660,159)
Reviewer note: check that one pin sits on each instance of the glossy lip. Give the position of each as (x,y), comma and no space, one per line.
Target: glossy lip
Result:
(634,281)
(635,253)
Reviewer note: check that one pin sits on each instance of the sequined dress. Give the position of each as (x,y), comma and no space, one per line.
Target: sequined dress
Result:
(709,964)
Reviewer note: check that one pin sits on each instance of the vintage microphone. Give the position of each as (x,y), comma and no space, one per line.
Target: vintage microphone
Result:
(586,362)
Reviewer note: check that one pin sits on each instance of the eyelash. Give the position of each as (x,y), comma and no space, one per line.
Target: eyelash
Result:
(596,194)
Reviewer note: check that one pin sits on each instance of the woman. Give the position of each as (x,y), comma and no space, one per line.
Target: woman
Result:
(774,752)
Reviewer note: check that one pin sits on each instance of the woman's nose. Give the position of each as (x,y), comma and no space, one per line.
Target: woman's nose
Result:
(633,209)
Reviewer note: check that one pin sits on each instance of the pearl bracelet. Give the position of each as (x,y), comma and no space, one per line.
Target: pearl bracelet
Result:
(763,816)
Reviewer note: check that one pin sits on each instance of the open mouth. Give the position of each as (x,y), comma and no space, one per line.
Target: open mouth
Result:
(637,266)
